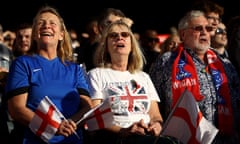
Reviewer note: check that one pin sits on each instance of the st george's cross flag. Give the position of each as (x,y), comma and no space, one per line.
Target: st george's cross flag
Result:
(187,123)
(99,117)
(46,120)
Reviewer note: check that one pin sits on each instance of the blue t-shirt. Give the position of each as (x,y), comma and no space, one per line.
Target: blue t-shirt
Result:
(41,77)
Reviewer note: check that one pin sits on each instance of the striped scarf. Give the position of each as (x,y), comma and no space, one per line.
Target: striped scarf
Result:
(184,76)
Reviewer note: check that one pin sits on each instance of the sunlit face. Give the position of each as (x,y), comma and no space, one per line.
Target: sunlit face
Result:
(197,35)
(119,41)
(48,29)
(213,19)
(23,39)
(220,37)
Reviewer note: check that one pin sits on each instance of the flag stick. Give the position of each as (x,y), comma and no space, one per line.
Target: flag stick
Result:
(62,116)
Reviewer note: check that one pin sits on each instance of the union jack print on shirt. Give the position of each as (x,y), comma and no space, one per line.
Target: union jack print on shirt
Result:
(128,98)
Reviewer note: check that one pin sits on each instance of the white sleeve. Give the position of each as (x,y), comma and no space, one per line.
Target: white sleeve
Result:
(96,84)
(151,89)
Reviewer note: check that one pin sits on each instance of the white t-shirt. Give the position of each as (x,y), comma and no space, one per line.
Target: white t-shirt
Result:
(130,95)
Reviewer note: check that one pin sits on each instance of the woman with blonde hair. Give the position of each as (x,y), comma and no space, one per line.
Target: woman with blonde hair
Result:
(119,79)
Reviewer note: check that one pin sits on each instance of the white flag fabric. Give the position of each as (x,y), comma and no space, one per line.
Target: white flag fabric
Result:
(46,120)
(187,123)
(100,117)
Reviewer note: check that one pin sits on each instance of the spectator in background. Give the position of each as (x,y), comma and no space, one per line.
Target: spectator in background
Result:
(6,55)
(172,41)
(219,40)
(233,47)
(23,39)
(85,51)
(48,70)
(20,47)
(6,58)
(106,17)
(194,66)
(213,11)
(9,38)
(150,45)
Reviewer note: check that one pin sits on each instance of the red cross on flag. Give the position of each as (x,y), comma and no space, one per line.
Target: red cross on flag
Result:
(187,123)
(46,120)
(132,95)
(100,117)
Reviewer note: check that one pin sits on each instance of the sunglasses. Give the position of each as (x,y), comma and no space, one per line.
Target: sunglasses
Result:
(115,35)
(220,31)
(200,28)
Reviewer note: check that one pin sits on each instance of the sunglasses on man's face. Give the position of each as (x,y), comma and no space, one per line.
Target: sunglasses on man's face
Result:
(220,31)
(115,35)
(200,28)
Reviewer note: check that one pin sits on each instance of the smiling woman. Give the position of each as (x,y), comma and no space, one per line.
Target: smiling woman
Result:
(47,70)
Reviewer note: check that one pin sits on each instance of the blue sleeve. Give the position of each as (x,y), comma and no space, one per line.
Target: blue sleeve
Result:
(82,82)
(18,75)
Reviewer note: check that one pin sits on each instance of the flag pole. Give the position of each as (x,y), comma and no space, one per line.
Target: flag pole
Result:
(89,112)
(62,116)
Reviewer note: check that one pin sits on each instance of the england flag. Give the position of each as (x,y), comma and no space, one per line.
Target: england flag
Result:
(100,117)
(46,120)
(187,123)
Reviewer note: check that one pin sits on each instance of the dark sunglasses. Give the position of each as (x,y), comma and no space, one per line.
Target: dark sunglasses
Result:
(153,40)
(220,31)
(116,35)
(200,28)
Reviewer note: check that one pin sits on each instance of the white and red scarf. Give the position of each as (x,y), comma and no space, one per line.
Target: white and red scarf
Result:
(184,76)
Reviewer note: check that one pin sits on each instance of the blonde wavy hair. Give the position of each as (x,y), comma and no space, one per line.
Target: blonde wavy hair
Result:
(102,57)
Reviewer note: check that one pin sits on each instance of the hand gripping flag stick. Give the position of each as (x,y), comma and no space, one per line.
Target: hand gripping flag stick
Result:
(62,116)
